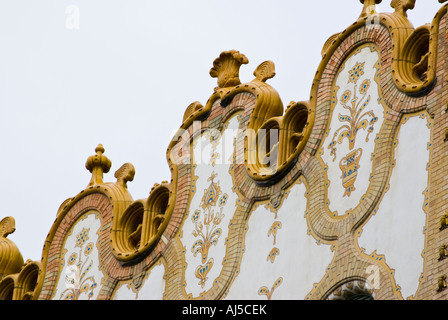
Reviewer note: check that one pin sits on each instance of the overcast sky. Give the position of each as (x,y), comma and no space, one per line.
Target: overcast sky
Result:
(124,76)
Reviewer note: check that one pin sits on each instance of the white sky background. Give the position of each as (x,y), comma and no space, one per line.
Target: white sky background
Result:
(125,78)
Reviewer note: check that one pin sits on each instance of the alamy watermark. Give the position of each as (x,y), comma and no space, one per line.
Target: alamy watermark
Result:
(72,19)
(373,18)
(72,277)
(233,146)
(373,279)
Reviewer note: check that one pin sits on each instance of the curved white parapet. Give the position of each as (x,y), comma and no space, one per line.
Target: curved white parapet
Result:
(212,207)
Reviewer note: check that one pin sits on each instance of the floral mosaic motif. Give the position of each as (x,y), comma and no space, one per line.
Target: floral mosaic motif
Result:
(357,119)
(273,230)
(274,253)
(78,266)
(207,228)
(356,72)
(202,271)
(213,158)
(349,166)
(268,293)
(211,194)
(82,237)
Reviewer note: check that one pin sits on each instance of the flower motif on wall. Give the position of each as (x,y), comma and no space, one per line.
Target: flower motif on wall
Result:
(211,194)
(346,96)
(213,158)
(207,228)
(72,259)
(195,216)
(365,85)
(356,72)
(268,293)
(273,230)
(77,280)
(274,252)
(202,271)
(357,119)
(82,237)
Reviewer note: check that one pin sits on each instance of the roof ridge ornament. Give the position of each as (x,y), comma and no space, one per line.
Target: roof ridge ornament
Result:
(227,67)
(97,165)
(125,174)
(401,6)
(265,71)
(369,7)
(11,260)
(7,226)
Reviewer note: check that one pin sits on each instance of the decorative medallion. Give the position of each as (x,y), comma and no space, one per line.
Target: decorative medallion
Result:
(353,121)
(81,273)
(356,119)
(80,281)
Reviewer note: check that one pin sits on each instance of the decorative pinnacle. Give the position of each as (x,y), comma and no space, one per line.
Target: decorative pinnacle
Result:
(369,7)
(97,165)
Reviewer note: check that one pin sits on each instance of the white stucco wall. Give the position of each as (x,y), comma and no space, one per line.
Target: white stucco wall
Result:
(152,288)
(397,229)
(300,262)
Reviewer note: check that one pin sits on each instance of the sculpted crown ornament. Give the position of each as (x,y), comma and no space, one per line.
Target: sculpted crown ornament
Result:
(227,67)
(401,6)
(97,165)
